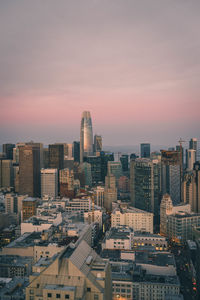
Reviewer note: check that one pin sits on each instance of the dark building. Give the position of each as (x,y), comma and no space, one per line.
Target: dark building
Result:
(29,170)
(145,150)
(8,150)
(124,162)
(171,174)
(76,151)
(95,162)
(145,185)
(56,156)
(97,143)
(133,156)
(105,157)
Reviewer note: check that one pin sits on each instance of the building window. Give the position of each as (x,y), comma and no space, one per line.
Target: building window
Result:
(96,297)
(31,292)
(66,296)
(88,289)
(57,296)
(49,295)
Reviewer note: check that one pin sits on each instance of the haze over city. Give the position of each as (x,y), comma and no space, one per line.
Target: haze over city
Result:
(134,64)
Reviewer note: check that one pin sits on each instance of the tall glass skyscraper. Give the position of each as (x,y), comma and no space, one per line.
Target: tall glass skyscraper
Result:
(86,136)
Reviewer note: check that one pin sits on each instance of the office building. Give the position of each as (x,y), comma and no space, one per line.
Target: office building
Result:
(56,156)
(124,162)
(167,208)
(99,196)
(145,185)
(29,170)
(110,192)
(97,144)
(137,219)
(8,150)
(49,183)
(6,173)
(76,151)
(29,206)
(180,226)
(45,158)
(190,159)
(193,145)
(66,181)
(191,188)
(171,174)
(105,157)
(115,168)
(86,136)
(95,162)
(145,150)
(85,174)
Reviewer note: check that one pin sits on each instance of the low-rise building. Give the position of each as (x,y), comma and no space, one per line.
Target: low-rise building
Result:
(132,217)
(76,273)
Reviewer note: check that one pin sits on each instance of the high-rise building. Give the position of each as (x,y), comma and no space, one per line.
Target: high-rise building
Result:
(99,196)
(6,173)
(97,144)
(190,159)
(171,174)
(95,162)
(56,156)
(124,162)
(105,157)
(193,145)
(86,136)
(85,174)
(76,151)
(45,158)
(145,150)
(110,194)
(8,150)
(145,184)
(29,170)
(66,180)
(191,188)
(49,183)
(115,168)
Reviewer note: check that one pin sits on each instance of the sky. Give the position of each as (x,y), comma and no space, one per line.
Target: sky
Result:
(134,64)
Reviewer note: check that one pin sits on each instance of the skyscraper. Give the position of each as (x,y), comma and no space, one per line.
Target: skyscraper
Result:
(193,145)
(97,144)
(145,150)
(86,136)
(76,151)
(171,174)
(56,156)
(110,194)
(8,150)
(145,184)
(29,170)
(190,158)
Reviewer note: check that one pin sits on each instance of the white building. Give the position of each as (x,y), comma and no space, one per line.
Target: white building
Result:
(99,196)
(118,238)
(49,182)
(167,208)
(93,216)
(132,217)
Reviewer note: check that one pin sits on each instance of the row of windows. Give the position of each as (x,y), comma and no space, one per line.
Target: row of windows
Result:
(58,296)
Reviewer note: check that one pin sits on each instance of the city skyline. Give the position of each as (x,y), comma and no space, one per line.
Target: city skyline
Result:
(135,66)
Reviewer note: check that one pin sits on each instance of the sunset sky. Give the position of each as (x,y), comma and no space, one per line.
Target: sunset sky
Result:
(135,64)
